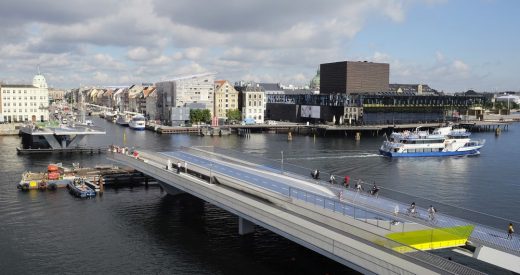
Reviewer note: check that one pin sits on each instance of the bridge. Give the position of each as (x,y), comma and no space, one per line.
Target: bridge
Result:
(360,231)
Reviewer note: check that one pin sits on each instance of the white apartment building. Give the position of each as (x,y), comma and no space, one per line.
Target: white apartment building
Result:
(253,103)
(184,91)
(20,103)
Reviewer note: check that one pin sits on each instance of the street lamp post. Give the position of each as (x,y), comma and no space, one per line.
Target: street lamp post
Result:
(282,161)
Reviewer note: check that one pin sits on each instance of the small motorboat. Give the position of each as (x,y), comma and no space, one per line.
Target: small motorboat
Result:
(78,187)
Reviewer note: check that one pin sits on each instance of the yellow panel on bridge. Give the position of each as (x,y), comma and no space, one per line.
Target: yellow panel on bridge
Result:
(430,239)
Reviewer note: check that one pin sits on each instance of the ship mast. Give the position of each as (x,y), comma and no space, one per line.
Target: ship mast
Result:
(82,105)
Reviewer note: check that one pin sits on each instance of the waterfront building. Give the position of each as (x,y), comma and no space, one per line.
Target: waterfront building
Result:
(92,95)
(253,104)
(272,88)
(381,108)
(354,77)
(181,91)
(392,108)
(107,99)
(24,102)
(134,93)
(419,89)
(119,98)
(226,98)
(141,101)
(307,107)
(352,114)
(56,94)
(151,106)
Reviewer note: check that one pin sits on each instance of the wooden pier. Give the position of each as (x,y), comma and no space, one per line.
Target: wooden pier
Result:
(177,130)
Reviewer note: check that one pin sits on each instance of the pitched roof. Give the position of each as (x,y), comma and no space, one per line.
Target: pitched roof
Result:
(148,90)
(270,86)
(220,82)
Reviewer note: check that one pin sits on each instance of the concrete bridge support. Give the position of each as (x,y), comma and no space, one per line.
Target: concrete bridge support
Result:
(170,189)
(245,226)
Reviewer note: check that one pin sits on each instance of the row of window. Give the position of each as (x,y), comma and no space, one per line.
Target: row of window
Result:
(419,141)
(227,100)
(232,106)
(20,104)
(260,103)
(19,118)
(254,111)
(25,98)
(14,91)
(422,150)
(21,110)
(254,96)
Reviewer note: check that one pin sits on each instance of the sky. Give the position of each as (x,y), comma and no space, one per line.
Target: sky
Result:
(452,46)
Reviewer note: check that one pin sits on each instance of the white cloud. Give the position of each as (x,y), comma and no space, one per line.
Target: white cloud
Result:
(194,53)
(460,66)
(101,77)
(139,53)
(150,40)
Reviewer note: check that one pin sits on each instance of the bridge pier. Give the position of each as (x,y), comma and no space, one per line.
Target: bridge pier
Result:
(170,189)
(245,226)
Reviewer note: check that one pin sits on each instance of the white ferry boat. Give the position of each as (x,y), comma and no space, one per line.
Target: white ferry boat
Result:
(137,122)
(444,141)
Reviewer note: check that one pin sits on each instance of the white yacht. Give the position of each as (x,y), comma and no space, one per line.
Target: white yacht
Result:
(137,122)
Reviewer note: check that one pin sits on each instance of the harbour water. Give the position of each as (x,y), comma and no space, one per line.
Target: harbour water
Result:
(142,230)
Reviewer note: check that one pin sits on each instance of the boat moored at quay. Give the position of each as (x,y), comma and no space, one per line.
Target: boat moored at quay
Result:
(79,188)
(123,120)
(443,141)
(137,123)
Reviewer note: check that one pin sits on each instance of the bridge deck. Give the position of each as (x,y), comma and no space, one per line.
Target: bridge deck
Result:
(481,234)
(359,208)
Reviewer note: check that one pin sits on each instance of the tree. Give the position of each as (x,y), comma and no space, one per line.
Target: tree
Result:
(234,114)
(199,115)
(206,116)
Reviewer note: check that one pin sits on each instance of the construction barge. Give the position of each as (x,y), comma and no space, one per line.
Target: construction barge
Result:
(58,176)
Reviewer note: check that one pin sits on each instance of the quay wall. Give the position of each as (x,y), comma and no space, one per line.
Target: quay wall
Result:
(9,129)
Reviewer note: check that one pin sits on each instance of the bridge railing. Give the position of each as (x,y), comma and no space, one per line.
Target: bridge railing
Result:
(400,249)
(487,222)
